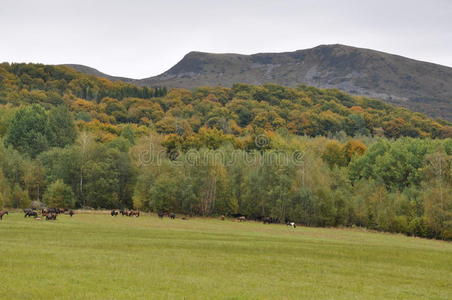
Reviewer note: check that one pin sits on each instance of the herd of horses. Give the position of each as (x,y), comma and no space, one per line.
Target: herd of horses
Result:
(128,213)
(47,213)
(52,213)
(265,220)
(136,213)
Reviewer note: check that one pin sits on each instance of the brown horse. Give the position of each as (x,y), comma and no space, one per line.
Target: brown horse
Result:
(51,216)
(2,213)
(135,213)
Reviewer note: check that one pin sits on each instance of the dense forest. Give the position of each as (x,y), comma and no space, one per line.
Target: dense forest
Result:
(315,157)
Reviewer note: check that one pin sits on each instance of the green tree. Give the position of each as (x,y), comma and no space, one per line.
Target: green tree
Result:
(60,195)
(62,127)
(29,131)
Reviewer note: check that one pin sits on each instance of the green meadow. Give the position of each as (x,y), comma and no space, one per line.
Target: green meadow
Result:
(96,256)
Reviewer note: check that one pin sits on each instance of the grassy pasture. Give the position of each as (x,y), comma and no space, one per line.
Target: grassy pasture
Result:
(95,256)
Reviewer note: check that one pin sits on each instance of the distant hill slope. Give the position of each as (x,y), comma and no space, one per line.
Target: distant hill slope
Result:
(104,106)
(419,86)
(95,72)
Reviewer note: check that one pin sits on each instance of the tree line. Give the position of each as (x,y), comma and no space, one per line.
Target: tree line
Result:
(402,185)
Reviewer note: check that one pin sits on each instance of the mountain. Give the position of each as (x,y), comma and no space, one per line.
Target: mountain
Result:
(419,86)
(95,72)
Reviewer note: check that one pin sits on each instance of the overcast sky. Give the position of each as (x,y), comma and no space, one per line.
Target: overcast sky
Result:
(138,38)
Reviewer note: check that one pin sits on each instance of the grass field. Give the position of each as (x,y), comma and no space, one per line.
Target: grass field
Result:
(103,257)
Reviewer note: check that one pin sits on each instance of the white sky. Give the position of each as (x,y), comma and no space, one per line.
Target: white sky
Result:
(138,38)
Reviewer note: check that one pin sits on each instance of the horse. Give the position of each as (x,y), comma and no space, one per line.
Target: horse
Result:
(114,213)
(270,220)
(292,224)
(2,213)
(267,220)
(160,214)
(31,214)
(71,212)
(51,216)
(172,216)
(236,215)
(241,219)
(135,213)
(222,218)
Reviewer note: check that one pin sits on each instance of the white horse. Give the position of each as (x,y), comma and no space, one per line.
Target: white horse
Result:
(292,224)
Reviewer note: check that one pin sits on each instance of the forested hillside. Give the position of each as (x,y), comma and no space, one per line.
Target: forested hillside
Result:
(417,85)
(316,157)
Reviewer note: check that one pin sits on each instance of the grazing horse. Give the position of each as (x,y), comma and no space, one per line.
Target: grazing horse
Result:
(172,215)
(30,213)
(160,214)
(124,212)
(71,212)
(135,213)
(292,224)
(51,216)
(2,213)
(241,219)
(222,218)
(270,220)
(114,213)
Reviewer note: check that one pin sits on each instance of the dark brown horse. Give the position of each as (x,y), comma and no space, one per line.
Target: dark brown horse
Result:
(2,213)
(51,216)
(30,213)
